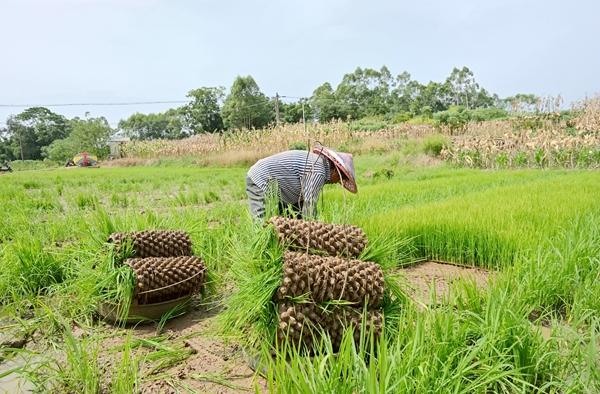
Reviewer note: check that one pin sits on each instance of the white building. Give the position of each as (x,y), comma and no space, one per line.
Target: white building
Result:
(115,143)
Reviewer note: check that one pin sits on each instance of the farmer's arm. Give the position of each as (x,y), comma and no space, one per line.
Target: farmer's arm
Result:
(310,193)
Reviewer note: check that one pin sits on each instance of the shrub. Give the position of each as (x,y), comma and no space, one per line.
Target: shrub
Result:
(372,123)
(433,144)
(299,145)
(483,114)
(455,119)
(401,117)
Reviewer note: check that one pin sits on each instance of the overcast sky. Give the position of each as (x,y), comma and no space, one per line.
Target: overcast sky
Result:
(73,51)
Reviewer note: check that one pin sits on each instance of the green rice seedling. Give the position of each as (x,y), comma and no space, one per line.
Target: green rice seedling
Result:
(71,368)
(210,197)
(433,351)
(125,376)
(256,273)
(29,185)
(117,289)
(562,278)
(81,372)
(29,269)
(217,378)
(176,311)
(502,223)
(161,356)
(119,200)
(86,201)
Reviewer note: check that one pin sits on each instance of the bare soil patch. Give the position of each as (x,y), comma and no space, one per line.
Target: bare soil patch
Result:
(429,276)
(215,366)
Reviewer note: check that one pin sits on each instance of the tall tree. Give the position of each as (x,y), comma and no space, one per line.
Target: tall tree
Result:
(89,135)
(466,91)
(366,92)
(246,106)
(431,98)
(325,105)
(33,129)
(404,92)
(165,125)
(203,113)
(292,112)
(6,152)
(522,102)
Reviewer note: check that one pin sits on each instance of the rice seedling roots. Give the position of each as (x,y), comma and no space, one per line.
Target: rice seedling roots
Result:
(303,323)
(331,279)
(332,239)
(154,243)
(164,278)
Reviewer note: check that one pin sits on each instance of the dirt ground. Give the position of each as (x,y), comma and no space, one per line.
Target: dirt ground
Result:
(425,277)
(214,366)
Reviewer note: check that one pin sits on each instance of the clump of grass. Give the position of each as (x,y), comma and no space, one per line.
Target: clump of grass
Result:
(119,200)
(29,185)
(75,369)
(86,201)
(29,269)
(210,197)
(190,198)
(433,144)
(125,376)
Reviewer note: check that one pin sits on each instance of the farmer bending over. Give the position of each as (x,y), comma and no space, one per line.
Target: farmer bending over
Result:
(295,178)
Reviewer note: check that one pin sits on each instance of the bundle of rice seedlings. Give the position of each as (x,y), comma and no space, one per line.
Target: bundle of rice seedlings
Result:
(258,309)
(125,279)
(332,239)
(302,323)
(166,278)
(154,243)
(331,278)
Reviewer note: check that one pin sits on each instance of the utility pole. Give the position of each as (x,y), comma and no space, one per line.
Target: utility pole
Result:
(277,119)
(303,118)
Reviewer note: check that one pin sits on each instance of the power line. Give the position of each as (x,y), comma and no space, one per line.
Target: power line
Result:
(99,104)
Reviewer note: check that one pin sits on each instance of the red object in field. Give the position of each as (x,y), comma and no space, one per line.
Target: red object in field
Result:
(84,159)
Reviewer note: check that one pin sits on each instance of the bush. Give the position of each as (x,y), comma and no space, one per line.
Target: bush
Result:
(23,165)
(433,144)
(371,123)
(299,145)
(401,117)
(455,119)
(483,114)
(61,150)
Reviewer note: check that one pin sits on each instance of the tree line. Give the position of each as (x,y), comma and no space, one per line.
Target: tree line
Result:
(38,133)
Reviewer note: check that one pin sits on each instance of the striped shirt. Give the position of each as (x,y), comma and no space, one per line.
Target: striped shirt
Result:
(299,174)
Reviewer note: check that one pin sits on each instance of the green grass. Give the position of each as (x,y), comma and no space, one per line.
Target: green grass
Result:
(538,228)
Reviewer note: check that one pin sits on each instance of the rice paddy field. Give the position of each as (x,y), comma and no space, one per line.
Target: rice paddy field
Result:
(533,326)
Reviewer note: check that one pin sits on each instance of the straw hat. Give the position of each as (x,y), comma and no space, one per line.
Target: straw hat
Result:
(344,163)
